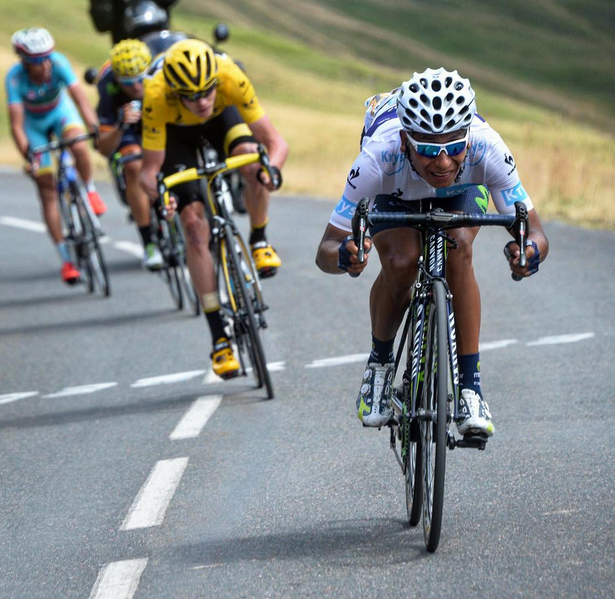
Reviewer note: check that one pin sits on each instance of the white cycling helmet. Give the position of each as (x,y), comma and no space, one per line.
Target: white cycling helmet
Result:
(33,42)
(436,101)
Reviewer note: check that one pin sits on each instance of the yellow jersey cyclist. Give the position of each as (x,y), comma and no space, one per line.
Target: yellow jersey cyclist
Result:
(200,96)
(425,140)
(39,107)
(120,92)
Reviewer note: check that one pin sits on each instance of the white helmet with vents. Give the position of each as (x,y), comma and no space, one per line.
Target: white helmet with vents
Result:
(436,101)
(33,42)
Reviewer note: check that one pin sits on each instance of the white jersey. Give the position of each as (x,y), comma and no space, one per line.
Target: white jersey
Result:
(382,168)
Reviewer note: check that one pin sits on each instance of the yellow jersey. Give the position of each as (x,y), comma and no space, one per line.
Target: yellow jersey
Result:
(162,107)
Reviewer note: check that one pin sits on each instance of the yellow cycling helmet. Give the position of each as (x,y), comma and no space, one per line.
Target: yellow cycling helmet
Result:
(190,67)
(130,58)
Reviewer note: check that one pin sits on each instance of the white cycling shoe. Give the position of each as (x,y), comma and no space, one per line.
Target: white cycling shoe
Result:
(476,414)
(152,258)
(374,400)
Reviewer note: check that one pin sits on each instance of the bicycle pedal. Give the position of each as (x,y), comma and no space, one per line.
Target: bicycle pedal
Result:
(266,273)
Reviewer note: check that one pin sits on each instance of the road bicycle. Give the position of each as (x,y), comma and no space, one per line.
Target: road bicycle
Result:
(169,237)
(239,286)
(82,229)
(426,404)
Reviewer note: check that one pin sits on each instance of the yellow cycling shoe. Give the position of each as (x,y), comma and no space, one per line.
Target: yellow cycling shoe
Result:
(224,362)
(266,260)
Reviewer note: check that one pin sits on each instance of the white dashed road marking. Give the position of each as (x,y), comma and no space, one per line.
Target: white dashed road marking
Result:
(11,397)
(196,418)
(167,379)
(151,503)
(22,223)
(338,360)
(82,390)
(561,339)
(119,580)
(497,344)
(134,249)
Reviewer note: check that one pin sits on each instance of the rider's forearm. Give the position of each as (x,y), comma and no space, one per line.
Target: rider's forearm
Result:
(109,140)
(278,152)
(21,141)
(327,257)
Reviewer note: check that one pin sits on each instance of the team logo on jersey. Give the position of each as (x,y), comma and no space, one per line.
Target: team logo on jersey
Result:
(514,194)
(455,190)
(477,150)
(345,208)
(354,174)
(510,161)
(397,160)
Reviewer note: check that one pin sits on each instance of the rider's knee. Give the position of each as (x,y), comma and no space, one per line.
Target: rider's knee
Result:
(196,227)
(398,268)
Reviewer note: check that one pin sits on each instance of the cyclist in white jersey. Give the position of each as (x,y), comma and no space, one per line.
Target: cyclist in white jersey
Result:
(425,140)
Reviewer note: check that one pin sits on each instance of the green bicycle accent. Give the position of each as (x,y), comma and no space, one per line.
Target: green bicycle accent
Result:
(482,201)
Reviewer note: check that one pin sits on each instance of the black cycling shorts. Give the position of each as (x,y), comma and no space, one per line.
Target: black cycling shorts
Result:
(223,133)
(474,200)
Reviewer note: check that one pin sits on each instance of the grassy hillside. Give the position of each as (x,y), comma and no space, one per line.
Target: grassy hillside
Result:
(314,93)
(559,54)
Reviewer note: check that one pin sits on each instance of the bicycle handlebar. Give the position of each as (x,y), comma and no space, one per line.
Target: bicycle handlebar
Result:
(62,143)
(439,219)
(210,172)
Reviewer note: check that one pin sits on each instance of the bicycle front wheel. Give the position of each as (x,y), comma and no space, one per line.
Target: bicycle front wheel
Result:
(96,267)
(433,414)
(241,284)
(179,248)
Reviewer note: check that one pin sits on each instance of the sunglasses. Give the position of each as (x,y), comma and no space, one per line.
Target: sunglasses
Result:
(433,150)
(199,95)
(35,59)
(131,80)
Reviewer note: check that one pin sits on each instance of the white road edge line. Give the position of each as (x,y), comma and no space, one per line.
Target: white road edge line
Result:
(152,501)
(118,580)
(191,425)
(11,397)
(82,390)
(497,344)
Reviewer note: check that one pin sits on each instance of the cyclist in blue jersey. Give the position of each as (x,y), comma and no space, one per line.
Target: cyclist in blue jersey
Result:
(426,141)
(39,107)
(120,89)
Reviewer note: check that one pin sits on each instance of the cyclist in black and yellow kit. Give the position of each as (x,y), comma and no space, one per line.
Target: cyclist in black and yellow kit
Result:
(200,96)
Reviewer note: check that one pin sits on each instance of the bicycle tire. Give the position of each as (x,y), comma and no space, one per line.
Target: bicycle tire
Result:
(246,327)
(96,268)
(179,247)
(433,425)
(413,477)
(168,272)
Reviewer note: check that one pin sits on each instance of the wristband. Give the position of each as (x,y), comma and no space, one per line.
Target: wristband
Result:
(343,254)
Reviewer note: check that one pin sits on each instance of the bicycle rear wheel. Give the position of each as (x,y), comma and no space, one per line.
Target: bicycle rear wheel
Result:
(433,415)
(240,281)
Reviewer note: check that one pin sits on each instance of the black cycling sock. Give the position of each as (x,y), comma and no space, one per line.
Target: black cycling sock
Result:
(469,372)
(382,351)
(214,320)
(146,235)
(257,234)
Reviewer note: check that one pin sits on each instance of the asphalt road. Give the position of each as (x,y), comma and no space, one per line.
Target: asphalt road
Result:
(127,471)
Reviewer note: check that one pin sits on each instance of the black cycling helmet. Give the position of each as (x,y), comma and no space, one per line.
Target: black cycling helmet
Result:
(143,17)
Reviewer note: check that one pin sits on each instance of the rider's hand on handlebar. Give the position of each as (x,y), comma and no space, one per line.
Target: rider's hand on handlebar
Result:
(265,180)
(348,260)
(170,207)
(511,252)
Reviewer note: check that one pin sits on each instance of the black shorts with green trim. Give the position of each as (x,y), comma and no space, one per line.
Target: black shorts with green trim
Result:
(474,200)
